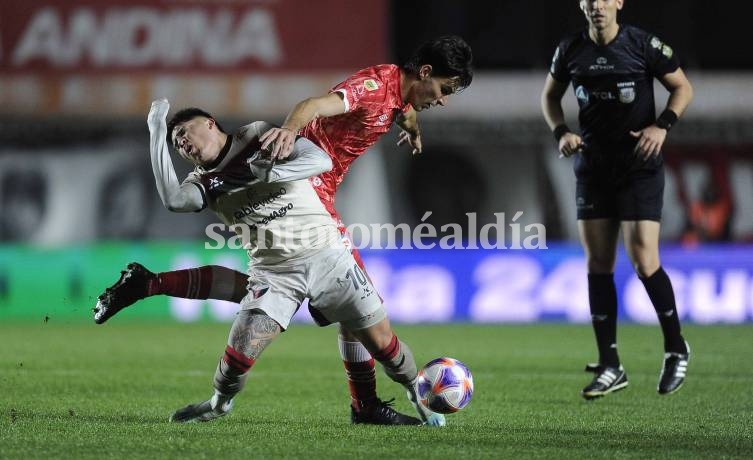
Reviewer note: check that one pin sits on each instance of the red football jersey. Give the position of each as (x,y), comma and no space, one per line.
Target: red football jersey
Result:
(372,103)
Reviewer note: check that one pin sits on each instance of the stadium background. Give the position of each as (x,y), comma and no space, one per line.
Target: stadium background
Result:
(78,202)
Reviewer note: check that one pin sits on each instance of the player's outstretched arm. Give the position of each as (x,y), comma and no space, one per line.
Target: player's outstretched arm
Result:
(280,141)
(307,160)
(175,197)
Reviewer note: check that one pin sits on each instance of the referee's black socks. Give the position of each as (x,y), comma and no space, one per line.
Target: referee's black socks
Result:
(659,289)
(602,298)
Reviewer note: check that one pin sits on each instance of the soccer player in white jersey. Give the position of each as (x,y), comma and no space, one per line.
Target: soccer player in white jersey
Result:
(345,123)
(294,246)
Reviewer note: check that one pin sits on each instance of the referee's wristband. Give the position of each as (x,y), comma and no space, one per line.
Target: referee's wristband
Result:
(560,131)
(666,120)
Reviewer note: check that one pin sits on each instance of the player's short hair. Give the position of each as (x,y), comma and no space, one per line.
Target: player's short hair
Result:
(184,115)
(449,56)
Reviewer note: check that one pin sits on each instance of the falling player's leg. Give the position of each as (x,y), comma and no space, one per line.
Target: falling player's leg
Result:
(136,282)
(252,331)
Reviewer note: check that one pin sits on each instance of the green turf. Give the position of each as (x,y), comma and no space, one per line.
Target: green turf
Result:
(86,391)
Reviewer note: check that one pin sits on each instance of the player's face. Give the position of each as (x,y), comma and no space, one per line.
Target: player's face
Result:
(601,14)
(430,91)
(192,140)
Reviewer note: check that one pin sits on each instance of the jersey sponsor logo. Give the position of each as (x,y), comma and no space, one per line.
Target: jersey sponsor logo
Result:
(667,51)
(370,85)
(255,203)
(601,64)
(656,43)
(584,95)
(581,94)
(603,95)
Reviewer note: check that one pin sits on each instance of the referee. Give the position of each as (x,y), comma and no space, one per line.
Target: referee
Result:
(619,172)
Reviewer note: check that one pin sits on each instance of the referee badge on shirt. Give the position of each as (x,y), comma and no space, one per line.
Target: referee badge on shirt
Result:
(627,91)
(627,95)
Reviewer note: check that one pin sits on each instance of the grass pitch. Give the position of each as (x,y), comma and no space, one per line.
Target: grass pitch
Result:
(84,391)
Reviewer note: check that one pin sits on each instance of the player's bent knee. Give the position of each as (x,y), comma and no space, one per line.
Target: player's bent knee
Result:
(600,266)
(645,270)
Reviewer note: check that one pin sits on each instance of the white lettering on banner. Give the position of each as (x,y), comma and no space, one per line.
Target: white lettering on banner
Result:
(725,306)
(702,296)
(563,290)
(415,293)
(505,289)
(142,36)
(512,289)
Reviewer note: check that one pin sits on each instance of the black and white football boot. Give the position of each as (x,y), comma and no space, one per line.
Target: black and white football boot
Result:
(130,288)
(673,371)
(606,380)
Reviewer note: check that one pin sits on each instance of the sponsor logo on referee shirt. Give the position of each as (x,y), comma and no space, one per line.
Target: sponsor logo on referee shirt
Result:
(581,94)
(601,64)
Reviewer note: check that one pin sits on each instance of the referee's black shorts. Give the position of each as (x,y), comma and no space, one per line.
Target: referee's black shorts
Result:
(633,195)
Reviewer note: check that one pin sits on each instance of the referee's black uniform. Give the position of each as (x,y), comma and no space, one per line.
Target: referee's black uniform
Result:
(614,85)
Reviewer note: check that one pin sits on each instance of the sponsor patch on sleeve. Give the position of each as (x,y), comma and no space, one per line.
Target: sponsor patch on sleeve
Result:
(370,85)
(667,51)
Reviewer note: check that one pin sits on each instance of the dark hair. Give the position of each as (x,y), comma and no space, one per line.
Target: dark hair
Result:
(449,56)
(184,115)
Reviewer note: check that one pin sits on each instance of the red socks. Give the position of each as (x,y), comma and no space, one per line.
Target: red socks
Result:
(193,283)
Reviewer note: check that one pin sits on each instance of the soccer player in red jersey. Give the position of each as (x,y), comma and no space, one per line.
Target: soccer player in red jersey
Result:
(344,123)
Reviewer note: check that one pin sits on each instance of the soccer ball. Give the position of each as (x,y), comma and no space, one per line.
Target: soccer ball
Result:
(445,385)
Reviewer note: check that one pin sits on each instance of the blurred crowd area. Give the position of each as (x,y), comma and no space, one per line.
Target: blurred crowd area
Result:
(76,79)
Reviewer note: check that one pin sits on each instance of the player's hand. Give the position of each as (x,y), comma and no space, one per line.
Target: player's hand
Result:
(278,142)
(650,141)
(414,140)
(570,144)
(158,113)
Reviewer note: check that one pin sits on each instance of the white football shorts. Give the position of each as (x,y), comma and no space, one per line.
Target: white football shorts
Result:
(338,290)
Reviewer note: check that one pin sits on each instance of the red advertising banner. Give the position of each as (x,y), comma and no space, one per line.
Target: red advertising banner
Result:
(63,37)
